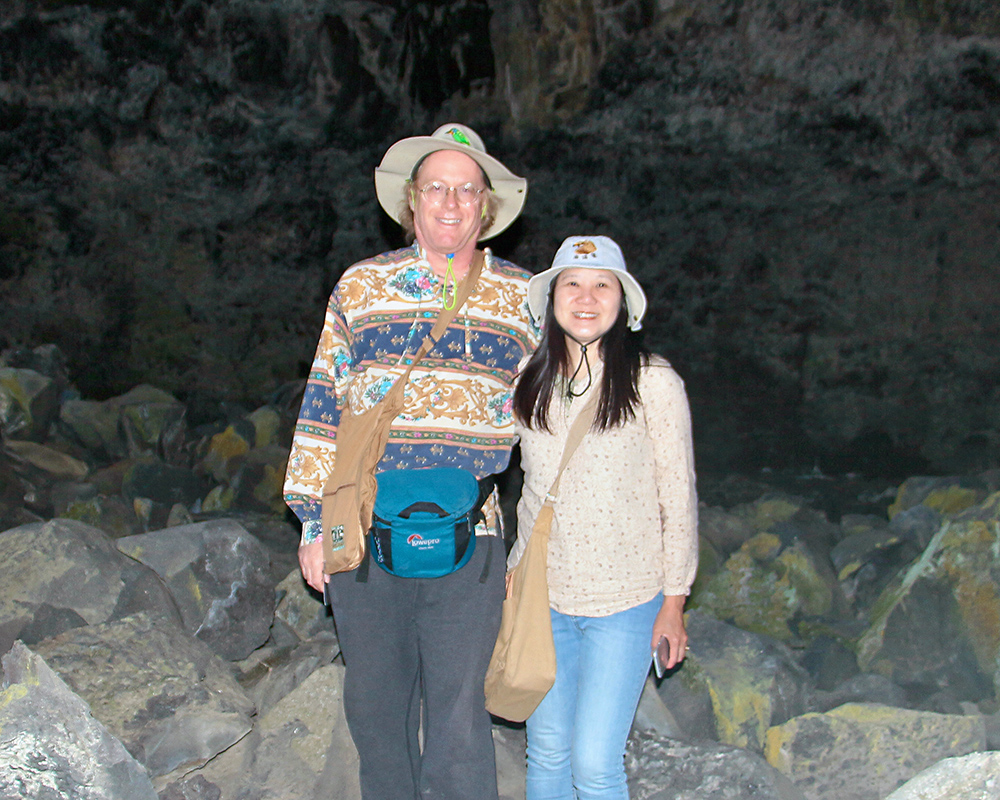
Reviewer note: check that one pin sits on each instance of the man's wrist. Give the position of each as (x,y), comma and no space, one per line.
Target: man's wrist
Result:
(312,531)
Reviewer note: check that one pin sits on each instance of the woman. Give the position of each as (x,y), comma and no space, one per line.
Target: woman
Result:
(623,543)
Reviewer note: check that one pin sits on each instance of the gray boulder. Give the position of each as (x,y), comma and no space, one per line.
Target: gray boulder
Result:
(865,751)
(171,701)
(661,769)
(727,532)
(864,688)
(154,480)
(972,777)
(277,533)
(112,513)
(771,582)
(273,673)
(828,656)
(52,747)
(64,574)
(945,494)
(653,715)
(934,626)
(733,685)
(869,555)
(122,426)
(15,487)
(219,574)
(53,463)
(299,750)
(917,524)
(29,402)
(301,607)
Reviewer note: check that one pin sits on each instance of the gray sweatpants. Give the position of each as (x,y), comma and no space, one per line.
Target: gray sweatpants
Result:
(407,640)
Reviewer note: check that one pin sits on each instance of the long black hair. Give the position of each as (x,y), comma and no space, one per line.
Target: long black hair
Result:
(623,353)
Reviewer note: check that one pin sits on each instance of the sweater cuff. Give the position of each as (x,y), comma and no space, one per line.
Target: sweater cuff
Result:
(312,531)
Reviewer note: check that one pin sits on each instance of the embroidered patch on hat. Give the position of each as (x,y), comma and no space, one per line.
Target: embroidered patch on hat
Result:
(585,248)
(459,137)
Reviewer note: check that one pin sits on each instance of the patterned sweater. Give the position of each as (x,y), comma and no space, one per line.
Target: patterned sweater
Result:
(457,402)
(625,525)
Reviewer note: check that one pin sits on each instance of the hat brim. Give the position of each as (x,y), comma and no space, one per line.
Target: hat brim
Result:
(397,164)
(540,285)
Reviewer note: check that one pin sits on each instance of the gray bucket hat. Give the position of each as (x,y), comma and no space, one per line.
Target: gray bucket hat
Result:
(589,252)
(398,162)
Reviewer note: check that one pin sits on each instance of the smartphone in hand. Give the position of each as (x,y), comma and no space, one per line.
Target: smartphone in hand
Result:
(661,655)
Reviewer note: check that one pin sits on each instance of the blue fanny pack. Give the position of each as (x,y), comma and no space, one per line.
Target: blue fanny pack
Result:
(424,520)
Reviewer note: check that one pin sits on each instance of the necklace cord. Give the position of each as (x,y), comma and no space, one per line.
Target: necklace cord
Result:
(454,284)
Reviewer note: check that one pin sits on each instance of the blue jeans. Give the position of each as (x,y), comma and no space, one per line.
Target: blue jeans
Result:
(577,735)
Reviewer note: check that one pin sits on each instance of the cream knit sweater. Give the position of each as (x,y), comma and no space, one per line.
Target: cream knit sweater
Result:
(625,525)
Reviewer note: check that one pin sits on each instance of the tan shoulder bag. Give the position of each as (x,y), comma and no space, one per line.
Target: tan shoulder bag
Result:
(523,666)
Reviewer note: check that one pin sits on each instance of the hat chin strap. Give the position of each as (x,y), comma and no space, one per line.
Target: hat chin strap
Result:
(583,360)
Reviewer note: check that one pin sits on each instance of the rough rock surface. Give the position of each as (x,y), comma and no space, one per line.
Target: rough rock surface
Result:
(951,593)
(270,726)
(749,682)
(863,751)
(51,745)
(64,574)
(808,191)
(164,694)
(236,720)
(662,769)
(972,777)
(219,574)
(300,748)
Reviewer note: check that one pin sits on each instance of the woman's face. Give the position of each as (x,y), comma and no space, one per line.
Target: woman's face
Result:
(586,302)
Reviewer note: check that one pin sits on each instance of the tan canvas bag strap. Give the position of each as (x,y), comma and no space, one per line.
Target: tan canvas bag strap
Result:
(540,530)
(444,318)
(579,428)
(371,436)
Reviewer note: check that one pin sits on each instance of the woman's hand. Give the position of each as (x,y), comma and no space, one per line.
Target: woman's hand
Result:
(669,622)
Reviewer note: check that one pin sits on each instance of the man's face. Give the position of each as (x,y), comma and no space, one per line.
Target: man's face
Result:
(449,226)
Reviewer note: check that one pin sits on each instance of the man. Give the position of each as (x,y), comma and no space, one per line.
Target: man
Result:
(416,649)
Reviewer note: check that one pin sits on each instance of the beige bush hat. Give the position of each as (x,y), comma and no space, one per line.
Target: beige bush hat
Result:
(589,252)
(398,162)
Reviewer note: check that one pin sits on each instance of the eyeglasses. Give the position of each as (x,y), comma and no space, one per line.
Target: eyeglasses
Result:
(435,192)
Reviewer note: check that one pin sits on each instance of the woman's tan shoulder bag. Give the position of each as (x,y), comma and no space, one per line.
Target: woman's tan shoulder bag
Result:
(523,666)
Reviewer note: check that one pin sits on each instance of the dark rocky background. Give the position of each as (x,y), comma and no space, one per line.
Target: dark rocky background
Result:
(807,188)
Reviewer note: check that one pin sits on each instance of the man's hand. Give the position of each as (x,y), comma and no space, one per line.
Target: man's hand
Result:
(311,564)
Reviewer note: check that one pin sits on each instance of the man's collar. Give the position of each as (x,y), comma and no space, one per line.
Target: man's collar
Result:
(421,256)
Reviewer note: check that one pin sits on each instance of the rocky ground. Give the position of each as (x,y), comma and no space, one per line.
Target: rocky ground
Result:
(808,191)
(158,640)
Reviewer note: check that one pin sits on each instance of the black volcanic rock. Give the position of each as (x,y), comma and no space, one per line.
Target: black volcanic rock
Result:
(808,191)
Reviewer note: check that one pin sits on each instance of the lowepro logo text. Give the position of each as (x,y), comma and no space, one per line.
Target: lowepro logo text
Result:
(417,540)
